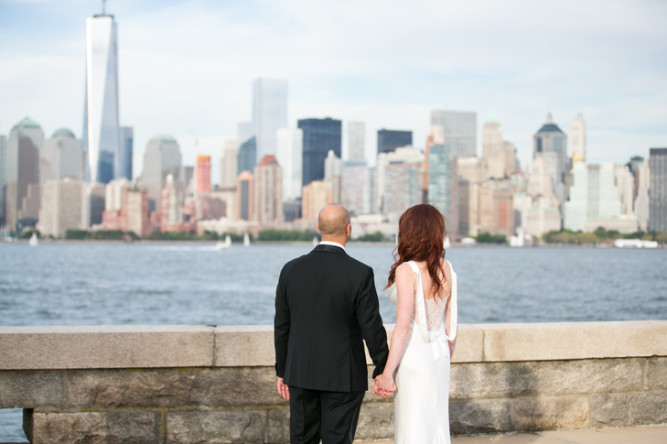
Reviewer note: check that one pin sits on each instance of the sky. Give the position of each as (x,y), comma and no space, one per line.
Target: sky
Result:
(186,67)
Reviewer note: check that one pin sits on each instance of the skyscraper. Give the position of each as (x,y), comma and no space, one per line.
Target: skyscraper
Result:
(162,157)
(22,161)
(551,143)
(228,165)
(269,113)
(356,141)
(358,193)
(268,191)
(442,185)
(62,157)
(319,136)
(246,156)
(460,129)
(389,140)
(203,175)
(3,173)
(61,207)
(245,196)
(126,151)
(101,128)
(658,190)
(578,137)
(290,157)
(595,200)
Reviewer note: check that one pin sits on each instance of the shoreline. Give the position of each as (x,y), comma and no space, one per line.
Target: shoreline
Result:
(350,243)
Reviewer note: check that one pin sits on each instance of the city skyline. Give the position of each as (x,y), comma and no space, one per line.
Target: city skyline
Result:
(191,75)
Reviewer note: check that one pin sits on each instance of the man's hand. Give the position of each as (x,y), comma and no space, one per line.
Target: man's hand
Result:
(283,390)
(384,386)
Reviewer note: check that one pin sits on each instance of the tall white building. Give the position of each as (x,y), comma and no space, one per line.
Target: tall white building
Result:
(290,154)
(594,200)
(228,165)
(101,128)
(269,113)
(400,155)
(578,137)
(357,187)
(492,139)
(62,207)
(161,158)
(356,141)
(642,200)
(625,183)
(62,156)
(332,173)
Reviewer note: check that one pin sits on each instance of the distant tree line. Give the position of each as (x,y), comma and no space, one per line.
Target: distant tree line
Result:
(488,238)
(600,235)
(273,235)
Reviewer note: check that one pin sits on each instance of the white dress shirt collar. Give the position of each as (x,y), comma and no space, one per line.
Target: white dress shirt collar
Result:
(335,244)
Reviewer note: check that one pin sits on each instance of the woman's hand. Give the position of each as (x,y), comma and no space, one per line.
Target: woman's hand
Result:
(384,386)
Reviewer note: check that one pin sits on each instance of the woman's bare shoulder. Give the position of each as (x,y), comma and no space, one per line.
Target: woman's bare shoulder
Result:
(404,271)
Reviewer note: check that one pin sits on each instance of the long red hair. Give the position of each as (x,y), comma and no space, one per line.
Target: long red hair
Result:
(421,231)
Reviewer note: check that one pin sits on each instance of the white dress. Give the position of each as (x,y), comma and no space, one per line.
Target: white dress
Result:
(421,404)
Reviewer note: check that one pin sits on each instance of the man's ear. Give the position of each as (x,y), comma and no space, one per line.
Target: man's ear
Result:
(348,230)
(318,229)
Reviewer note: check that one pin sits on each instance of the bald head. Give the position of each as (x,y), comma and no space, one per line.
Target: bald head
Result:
(334,223)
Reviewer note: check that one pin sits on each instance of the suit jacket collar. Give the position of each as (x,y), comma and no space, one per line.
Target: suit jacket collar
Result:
(329,249)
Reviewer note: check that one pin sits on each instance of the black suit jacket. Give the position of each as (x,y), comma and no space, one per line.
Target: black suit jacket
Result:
(326,305)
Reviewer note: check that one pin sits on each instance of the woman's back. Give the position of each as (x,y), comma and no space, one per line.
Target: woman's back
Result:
(435,301)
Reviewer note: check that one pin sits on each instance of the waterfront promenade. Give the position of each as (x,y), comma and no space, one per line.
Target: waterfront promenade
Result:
(183,384)
(623,435)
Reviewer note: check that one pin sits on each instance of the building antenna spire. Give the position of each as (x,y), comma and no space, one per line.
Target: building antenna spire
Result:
(104,9)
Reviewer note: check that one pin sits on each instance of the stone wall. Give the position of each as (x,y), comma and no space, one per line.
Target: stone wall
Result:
(190,384)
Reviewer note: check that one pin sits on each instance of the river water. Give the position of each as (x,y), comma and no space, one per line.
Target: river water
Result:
(150,283)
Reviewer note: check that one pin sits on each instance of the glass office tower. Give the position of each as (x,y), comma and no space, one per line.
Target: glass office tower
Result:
(319,136)
(101,129)
(460,128)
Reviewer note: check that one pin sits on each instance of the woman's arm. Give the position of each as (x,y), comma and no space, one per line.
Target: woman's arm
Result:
(451,315)
(405,288)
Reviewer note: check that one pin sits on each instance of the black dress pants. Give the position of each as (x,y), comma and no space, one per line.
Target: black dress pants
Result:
(329,416)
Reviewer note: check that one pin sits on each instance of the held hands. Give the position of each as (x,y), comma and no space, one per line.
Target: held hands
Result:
(384,386)
(283,389)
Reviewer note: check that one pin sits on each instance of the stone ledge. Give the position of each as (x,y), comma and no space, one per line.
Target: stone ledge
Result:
(26,348)
(573,340)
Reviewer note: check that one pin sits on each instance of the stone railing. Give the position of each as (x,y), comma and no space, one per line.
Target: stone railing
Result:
(182,384)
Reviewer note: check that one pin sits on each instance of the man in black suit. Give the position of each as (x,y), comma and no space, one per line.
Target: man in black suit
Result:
(326,305)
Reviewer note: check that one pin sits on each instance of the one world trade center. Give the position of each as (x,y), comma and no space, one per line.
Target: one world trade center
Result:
(101,129)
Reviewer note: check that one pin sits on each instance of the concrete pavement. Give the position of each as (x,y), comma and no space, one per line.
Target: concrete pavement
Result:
(626,435)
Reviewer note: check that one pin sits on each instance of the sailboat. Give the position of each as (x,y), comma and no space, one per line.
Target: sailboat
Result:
(224,245)
(315,241)
(246,240)
(447,243)
(33,240)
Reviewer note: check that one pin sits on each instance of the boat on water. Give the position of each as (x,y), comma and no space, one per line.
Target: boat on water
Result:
(33,240)
(246,240)
(224,244)
(635,243)
(316,241)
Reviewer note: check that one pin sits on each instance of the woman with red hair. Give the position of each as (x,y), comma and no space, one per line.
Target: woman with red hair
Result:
(422,285)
